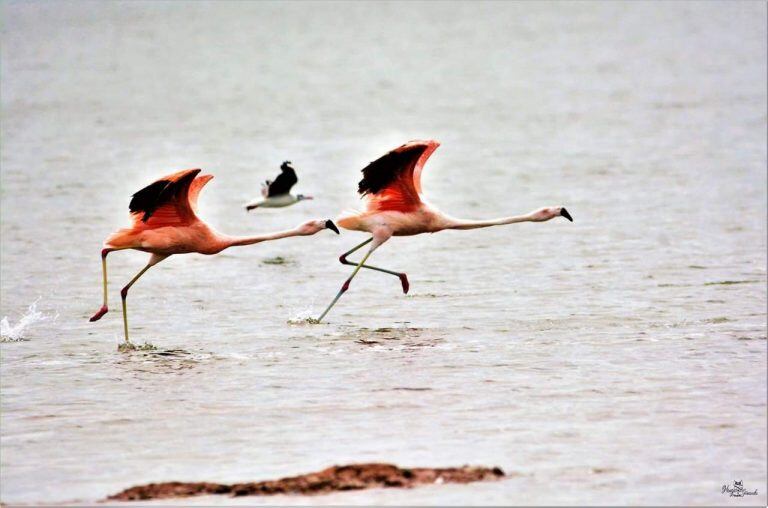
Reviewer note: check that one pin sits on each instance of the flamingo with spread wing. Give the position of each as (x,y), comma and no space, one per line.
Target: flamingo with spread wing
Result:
(165,223)
(395,206)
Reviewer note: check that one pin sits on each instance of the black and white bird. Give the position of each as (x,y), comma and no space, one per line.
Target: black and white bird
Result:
(277,193)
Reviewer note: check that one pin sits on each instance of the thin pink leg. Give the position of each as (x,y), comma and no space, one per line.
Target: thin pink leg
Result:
(402,276)
(103,310)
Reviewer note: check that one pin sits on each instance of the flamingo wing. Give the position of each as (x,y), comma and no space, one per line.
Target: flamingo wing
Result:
(393,182)
(195,187)
(170,201)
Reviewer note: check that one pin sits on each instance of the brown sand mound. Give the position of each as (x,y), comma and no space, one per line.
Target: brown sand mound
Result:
(336,478)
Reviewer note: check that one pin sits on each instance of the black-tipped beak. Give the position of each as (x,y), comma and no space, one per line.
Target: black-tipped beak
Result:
(330,225)
(565,214)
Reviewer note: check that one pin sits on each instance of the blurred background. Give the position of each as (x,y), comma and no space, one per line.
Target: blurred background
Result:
(618,359)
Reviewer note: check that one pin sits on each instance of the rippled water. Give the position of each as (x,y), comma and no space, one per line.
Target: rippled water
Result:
(618,359)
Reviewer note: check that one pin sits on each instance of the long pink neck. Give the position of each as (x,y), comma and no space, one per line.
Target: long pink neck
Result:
(238,241)
(452,223)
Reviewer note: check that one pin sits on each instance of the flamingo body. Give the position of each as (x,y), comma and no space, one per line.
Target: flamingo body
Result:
(196,237)
(424,219)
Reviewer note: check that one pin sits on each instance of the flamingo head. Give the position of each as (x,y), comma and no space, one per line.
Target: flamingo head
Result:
(285,164)
(302,197)
(315,226)
(550,212)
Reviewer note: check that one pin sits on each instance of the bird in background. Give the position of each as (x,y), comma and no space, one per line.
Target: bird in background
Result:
(165,223)
(277,193)
(395,206)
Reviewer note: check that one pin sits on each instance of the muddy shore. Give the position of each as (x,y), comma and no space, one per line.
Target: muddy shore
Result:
(332,479)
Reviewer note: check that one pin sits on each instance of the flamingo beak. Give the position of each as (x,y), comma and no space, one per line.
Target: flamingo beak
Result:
(330,225)
(564,213)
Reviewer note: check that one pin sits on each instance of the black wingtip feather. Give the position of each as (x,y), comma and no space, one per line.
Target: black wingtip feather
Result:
(380,173)
(146,199)
(156,194)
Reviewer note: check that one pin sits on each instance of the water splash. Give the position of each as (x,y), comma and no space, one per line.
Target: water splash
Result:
(17,332)
(125,347)
(303,317)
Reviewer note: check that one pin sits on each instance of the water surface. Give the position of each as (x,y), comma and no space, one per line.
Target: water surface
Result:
(618,359)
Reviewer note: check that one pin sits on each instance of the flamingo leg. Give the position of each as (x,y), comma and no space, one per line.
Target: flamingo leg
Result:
(103,310)
(155,259)
(343,260)
(345,286)
(343,257)
(402,276)
(380,236)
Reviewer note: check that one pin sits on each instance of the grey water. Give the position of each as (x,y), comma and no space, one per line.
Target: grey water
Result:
(617,359)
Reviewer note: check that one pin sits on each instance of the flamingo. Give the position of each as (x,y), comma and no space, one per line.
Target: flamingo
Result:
(395,206)
(165,223)
(277,194)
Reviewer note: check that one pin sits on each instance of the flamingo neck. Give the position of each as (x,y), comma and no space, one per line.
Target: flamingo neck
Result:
(452,223)
(239,241)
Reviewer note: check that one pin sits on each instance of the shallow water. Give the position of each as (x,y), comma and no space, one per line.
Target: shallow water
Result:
(618,359)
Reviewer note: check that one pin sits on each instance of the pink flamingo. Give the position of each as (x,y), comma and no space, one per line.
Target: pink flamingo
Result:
(164,223)
(395,206)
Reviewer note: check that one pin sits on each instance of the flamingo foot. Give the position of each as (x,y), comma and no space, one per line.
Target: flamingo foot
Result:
(404,282)
(103,310)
